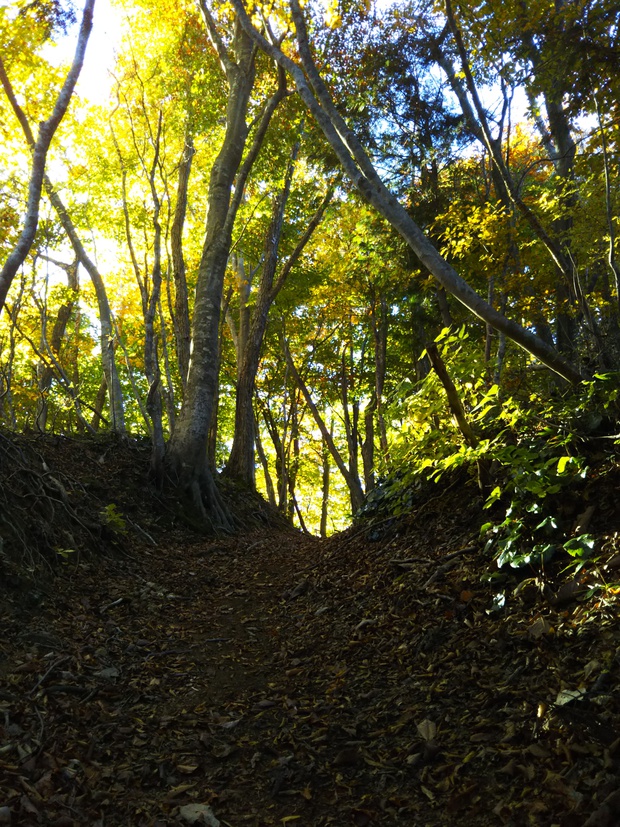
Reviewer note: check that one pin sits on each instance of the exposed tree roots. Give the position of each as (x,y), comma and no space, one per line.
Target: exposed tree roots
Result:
(48,516)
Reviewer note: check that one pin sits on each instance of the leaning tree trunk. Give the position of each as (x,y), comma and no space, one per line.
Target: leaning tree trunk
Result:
(40,148)
(362,173)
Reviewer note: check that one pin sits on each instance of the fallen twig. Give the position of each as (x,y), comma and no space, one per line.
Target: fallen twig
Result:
(54,666)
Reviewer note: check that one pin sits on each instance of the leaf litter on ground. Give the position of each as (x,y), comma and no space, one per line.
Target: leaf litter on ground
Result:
(272,678)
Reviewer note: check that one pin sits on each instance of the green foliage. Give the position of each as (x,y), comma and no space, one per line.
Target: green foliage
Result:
(549,458)
(425,436)
(538,447)
(65,553)
(113,519)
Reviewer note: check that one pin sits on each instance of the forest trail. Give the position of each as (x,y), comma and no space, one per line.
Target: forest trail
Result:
(275,679)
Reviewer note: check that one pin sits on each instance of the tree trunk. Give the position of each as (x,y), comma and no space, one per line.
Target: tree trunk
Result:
(380,333)
(368,446)
(350,415)
(99,403)
(40,149)
(281,466)
(325,481)
(241,463)
(456,406)
(187,450)
(181,300)
(107,335)
(58,333)
(271,492)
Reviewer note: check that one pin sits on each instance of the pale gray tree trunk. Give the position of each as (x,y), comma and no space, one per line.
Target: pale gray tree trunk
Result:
(40,148)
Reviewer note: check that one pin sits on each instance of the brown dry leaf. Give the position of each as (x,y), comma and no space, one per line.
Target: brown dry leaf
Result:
(27,805)
(537,751)
(539,628)
(179,790)
(427,729)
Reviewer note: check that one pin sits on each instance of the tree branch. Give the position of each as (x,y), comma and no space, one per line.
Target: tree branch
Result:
(359,169)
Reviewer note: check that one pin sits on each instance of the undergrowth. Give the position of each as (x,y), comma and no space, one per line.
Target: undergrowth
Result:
(541,450)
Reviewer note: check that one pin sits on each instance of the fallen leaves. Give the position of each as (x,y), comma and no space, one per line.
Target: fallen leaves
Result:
(218,682)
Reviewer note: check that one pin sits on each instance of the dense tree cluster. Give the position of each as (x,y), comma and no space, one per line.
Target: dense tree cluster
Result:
(247,252)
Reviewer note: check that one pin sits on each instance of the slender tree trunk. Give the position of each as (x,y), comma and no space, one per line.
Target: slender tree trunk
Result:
(50,359)
(368,446)
(241,464)
(612,258)
(447,319)
(241,461)
(40,148)
(181,300)
(99,403)
(151,357)
(380,334)
(58,333)
(107,334)
(350,413)
(281,465)
(6,394)
(325,482)
(271,493)
(456,406)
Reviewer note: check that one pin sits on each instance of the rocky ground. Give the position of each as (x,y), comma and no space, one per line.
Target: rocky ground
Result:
(375,678)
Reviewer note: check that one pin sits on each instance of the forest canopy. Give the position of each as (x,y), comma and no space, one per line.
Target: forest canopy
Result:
(315,251)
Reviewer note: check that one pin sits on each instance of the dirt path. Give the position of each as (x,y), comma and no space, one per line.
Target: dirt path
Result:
(143,686)
(271,679)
